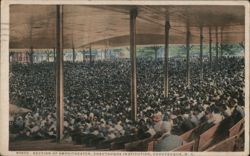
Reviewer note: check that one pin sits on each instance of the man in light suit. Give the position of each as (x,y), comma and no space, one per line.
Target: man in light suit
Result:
(167,141)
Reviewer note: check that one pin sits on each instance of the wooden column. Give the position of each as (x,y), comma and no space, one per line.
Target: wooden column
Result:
(17,56)
(133,14)
(156,54)
(59,73)
(83,55)
(201,52)
(10,56)
(217,44)
(90,54)
(210,47)
(110,57)
(74,54)
(20,57)
(221,42)
(105,53)
(31,55)
(55,60)
(188,59)
(54,51)
(24,58)
(14,57)
(48,55)
(165,67)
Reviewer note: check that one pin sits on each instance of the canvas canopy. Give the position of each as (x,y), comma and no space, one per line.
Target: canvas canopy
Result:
(108,26)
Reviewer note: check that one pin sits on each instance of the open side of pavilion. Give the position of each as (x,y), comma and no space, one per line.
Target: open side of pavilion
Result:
(83,27)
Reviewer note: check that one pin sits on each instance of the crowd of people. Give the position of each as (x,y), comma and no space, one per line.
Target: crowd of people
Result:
(97,99)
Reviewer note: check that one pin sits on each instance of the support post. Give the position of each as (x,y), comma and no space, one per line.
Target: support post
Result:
(90,54)
(48,54)
(201,52)
(21,57)
(105,53)
(110,56)
(221,41)
(74,55)
(217,44)
(14,57)
(165,67)
(10,56)
(83,55)
(54,51)
(155,49)
(210,47)
(31,55)
(59,73)
(133,14)
(188,58)
(26,58)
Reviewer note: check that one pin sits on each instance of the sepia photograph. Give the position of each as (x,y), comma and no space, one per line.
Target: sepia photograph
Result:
(126,78)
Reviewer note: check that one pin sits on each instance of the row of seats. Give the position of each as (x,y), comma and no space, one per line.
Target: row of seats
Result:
(202,143)
(229,144)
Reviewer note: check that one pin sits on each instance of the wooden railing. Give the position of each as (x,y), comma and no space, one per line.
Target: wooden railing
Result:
(236,128)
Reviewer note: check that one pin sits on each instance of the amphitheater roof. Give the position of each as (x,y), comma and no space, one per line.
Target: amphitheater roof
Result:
(103,26)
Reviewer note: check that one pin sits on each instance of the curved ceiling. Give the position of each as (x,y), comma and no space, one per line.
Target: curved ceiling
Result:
(108,26)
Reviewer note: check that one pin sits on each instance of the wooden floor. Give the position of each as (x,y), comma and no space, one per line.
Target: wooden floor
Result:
(48,145)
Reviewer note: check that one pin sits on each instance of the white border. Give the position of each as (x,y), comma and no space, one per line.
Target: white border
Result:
(4,70)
